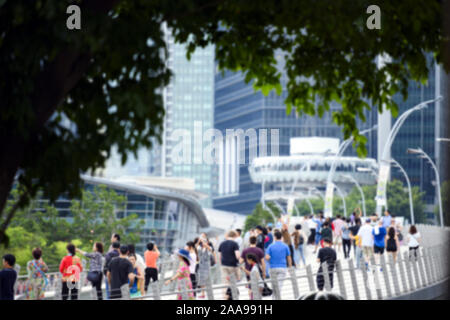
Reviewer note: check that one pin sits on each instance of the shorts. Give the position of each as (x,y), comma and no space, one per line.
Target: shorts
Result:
(338,240)
(318,238)
(367,251)
(378,250)
(227,271)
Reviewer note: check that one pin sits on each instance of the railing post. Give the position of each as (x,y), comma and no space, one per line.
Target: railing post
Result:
(233,285)
(366,282)
(125,292)
(340,278)
(326,276)
(174,271)
(420,263)
(376,279)
(254,284)
(432,265)
(394,275)
(412,286)
(156,288)
(293,277)
(402,272)
(353,279)
(58,288)
(413,261)
(384,271)
(310,276)
(275,286)
(184,293)
(209,288)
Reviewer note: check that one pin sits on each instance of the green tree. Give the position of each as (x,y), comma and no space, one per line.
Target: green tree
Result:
(261,216)
(105,80)
(397,198)
(304,209)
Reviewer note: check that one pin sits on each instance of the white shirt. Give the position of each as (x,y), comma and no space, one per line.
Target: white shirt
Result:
(414,240)
(312,224)
(193,262)
(238,240)
(140,262)
(365,233)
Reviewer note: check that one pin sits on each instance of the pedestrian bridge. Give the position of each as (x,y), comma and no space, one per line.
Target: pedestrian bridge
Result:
(424,277)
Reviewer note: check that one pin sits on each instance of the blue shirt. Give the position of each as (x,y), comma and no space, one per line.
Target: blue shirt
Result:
(278,252)
(269,242)
(387,221)
(379,238)
(319,224)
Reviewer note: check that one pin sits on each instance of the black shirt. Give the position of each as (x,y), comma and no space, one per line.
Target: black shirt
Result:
(7,279)
(227,250)
(120,268)
(354,230)
(327,255)
(260,241)
(326,233)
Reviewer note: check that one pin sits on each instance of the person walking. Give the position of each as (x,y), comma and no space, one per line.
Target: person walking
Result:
(279,257)
(288,241)
(346,241)
(318,221)
(326,233)
(326,254)
(299,239)
(113,253)
(183,275)
(387,219)
(260,237)
(70,268)
(95,275)
(190,247)
(120,272)
(139,259)
(255,251)
(205,258)
(151,256)
(366,236)
(238,238)
(229,257)
(379,235)
(392,243)
(338,223)
(252,265)
(413,240)
(37,278)
(8,277)
(137,287)
(312,229)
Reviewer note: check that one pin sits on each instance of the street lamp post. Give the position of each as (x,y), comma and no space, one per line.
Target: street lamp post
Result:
(343,199)
(422,154)
(351,178)
(381,186)
(329,188)
(411,208)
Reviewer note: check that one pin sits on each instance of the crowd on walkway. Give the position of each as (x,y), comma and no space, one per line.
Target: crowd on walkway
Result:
(264,251)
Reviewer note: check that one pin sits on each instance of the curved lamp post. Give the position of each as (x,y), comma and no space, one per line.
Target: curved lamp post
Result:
(352,179)
(381,186)
(423,155)
(411,209)
(328,210)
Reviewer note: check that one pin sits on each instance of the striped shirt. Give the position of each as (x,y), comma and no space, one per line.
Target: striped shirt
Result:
(96,261)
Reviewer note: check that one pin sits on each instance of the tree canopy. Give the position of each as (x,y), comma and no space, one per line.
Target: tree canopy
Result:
(68,96)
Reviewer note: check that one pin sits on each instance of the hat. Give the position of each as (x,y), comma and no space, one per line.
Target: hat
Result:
(184,253)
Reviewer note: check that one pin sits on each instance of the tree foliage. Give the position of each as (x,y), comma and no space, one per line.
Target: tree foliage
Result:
(68,96)
(261,216)
(93,219)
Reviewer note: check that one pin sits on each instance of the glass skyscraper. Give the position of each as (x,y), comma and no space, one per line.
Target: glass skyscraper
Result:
(238,106)
(188,103)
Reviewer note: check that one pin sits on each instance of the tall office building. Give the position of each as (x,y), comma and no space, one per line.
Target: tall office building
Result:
(189,107)
(420,130)
(238,106)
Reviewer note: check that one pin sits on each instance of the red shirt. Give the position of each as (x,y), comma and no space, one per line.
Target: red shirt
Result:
(66,263)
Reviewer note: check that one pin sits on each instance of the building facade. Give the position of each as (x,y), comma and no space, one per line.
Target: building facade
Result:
(189,107)
(420,130)
(238,106)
